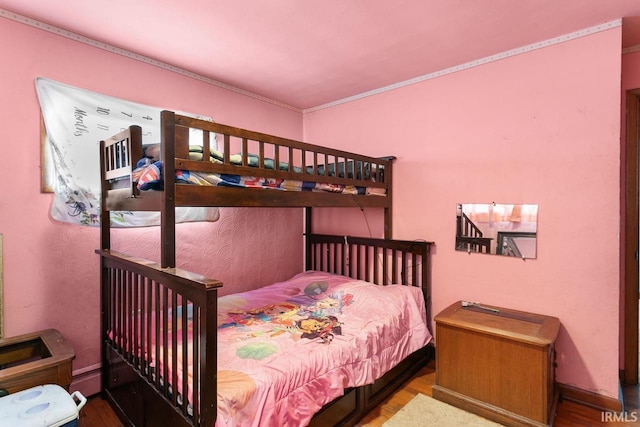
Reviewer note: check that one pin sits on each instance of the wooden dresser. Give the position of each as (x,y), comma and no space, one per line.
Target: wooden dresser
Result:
(497,363)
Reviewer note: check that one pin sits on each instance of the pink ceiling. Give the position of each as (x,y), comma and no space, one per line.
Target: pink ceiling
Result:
(306,53)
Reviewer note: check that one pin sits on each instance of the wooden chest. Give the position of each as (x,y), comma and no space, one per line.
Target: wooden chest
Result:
(38,358)
(497,363)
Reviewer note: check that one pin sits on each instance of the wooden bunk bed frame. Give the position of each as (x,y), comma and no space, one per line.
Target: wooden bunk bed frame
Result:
(120,153)
(137,294)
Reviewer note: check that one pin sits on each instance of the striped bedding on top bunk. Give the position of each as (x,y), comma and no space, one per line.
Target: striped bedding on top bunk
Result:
(148,176)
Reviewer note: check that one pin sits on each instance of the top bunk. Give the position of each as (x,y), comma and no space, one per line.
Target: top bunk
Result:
(202,163)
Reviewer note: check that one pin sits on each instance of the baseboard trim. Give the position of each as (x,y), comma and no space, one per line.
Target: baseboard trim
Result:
(589,398)
(87,381)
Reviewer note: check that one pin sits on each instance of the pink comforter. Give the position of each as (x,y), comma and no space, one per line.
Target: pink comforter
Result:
(287,349)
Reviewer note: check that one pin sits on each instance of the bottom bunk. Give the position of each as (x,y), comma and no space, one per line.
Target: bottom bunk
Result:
(322,348)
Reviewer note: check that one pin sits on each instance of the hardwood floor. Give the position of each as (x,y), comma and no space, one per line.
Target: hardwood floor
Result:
(97,413)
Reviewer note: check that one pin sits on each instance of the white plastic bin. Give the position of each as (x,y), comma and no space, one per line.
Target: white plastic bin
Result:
(46,405)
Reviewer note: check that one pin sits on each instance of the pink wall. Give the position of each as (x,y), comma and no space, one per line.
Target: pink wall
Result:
(541,127)
(51,273)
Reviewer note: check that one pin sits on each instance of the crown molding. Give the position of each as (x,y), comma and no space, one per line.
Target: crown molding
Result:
(482,61)
(123,52)
(528,48)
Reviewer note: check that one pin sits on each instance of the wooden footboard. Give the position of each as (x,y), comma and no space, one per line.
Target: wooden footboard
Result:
(148,313)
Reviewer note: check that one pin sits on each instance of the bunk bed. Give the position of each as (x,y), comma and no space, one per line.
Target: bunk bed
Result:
(164,330)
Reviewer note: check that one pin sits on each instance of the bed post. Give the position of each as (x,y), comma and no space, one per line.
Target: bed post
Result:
(388,219)
(105,218)
(209,355)
(168,206)
(105,244)
(426,289)
(307,233)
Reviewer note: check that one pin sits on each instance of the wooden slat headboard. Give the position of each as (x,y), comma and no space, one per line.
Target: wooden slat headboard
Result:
(404,262)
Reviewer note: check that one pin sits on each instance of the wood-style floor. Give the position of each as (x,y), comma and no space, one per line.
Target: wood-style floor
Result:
(98,413)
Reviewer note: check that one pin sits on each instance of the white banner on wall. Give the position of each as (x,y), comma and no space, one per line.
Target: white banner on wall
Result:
(75,121)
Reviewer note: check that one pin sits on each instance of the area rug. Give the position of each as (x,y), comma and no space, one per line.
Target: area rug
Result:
(425,411)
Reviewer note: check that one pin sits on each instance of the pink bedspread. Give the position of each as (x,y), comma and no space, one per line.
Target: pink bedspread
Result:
(287,349)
